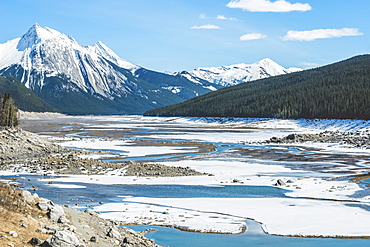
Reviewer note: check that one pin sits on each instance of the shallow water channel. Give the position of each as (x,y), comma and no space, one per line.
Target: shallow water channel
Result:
(85,195)
(172,141)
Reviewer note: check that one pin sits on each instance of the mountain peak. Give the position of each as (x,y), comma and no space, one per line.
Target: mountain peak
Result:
(41,32)
(239,73)
(37,34)
(36,25)
(267,62)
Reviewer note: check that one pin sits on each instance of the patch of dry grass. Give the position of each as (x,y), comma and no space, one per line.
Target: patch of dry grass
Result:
(18,216)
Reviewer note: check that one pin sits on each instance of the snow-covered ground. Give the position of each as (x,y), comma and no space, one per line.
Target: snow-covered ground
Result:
(315,205)
(281,216)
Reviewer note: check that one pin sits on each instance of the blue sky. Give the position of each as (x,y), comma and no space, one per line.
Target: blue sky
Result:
(174,35)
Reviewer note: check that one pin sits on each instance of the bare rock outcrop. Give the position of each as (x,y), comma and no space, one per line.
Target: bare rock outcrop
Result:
(63,239)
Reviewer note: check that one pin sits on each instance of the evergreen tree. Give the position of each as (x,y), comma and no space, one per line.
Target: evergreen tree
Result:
(8,112)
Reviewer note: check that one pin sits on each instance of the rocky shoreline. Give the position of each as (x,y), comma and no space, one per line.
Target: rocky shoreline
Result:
(355,139)
(17,144)
(40,222)
(25,152)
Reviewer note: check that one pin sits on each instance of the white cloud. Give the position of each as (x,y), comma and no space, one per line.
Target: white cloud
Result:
(268,6)
(203,16)
(252,36)
(222,17)
(321,34)
(207,26)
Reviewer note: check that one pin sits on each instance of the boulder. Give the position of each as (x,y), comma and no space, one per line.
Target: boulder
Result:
(35,242)
(62,239)
(280,182)
(27,196)
(43,205)
(125,240)
(113,233)
(56,212)
(62,219)
(53,229)
(291,137)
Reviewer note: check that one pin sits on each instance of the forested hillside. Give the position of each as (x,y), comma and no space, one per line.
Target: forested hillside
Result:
(339,90)
(23,98)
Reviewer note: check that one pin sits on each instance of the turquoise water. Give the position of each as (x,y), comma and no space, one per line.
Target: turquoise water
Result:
(110,193)
(175,238)
(94,193)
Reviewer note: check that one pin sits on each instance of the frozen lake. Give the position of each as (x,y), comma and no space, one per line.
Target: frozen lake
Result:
(315,201)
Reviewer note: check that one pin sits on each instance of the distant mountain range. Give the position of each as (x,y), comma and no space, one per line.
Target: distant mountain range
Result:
(238,73)
(78,79)
(340,90)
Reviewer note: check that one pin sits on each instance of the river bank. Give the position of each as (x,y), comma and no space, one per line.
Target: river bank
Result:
(28,220)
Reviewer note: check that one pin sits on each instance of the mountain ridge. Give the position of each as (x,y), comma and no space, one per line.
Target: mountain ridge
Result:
(79,79)
(238,73)
(340,90)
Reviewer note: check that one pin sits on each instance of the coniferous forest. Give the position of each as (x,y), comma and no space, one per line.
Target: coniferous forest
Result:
(340,90)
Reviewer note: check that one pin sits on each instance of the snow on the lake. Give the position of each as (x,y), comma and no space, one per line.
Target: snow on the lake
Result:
(185,219)
(283,216)
(316,205)
(300,217)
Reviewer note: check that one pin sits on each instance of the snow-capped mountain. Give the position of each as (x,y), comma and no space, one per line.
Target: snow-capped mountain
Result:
(44,52)
(88,79)
(238,73)
(93,79)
